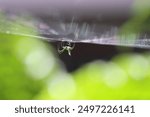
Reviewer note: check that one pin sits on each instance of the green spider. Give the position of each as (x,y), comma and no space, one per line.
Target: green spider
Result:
(66,46)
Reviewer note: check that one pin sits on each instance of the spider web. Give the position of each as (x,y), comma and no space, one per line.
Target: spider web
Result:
(77,32)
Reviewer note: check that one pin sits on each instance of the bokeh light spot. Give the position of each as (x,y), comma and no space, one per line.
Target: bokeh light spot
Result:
(62,86)
(138,67)
(38,61)
(114,76)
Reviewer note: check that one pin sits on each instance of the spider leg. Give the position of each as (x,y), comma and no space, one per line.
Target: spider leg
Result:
(61,51)
(72,47)
(60,48)
(69,52)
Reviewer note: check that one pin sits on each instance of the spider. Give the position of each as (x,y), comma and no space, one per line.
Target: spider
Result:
(66,46)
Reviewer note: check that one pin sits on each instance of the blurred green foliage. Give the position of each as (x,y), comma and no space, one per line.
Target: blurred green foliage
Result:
(140,21)
(125,77)
(14,82)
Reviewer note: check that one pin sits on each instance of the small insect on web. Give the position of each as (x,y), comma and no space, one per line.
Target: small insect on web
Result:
(66,46)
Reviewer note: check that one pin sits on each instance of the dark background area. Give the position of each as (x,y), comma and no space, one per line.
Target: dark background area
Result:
(84,53)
